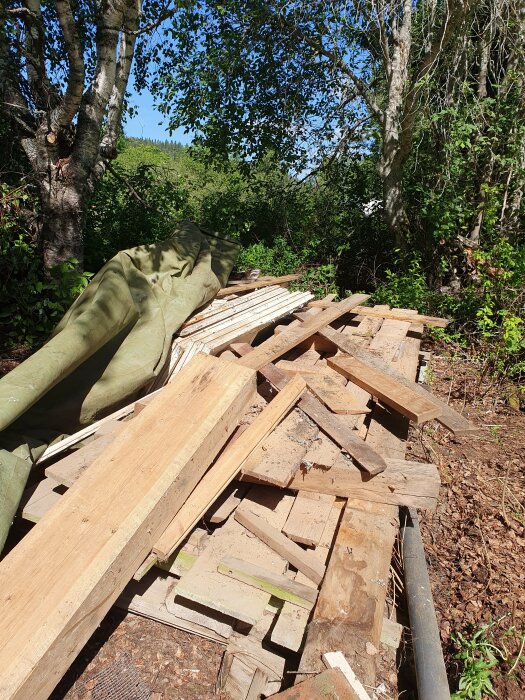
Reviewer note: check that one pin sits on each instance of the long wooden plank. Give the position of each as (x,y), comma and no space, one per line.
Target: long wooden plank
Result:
(410,404)
(396,315)
(448,417)
(279,586)
(278,345)
(303,561)
(226,468)
(237,288)
(370,460)
(87,547)
(402,483)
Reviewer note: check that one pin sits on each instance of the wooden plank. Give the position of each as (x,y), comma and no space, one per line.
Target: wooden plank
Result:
(205,585)
(258,684)
(198,614)
(225,469)
(276,585)
(300,367)
(298,557)
(86,548)
(308,517)
(394,314)
(280,455)
(334,396)
(327,684)
(370,460)
(238,288)
(448,417)
(278,345)
(38,499)
(402,483)
(387,389)
(336,659)
(147,598)
(229,309)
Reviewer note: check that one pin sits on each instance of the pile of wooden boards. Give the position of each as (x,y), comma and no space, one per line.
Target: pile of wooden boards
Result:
(263,519)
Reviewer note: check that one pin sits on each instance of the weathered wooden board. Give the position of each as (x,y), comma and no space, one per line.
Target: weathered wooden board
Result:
(308,517)
(87,547)
(238,288)
(276,585)
(448,417)
(281,453)
(388,390)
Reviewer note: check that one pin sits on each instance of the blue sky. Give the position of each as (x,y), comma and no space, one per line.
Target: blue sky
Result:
(149,123)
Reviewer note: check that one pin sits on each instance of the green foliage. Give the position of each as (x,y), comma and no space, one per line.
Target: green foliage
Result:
(33,301)
(479,657)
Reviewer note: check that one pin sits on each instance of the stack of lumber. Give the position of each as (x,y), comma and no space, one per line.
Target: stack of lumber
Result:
(263,520)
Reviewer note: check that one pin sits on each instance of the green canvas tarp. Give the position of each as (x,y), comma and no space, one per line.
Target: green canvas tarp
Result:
(113,342)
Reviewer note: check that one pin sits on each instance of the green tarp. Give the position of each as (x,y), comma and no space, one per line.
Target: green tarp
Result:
(113,341)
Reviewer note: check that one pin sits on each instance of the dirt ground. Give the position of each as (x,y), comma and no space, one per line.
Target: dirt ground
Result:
(475,545)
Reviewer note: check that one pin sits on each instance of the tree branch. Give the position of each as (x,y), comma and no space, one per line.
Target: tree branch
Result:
(64,113)
(128,38)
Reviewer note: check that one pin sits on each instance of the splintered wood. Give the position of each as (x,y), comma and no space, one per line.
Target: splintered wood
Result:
(269,537)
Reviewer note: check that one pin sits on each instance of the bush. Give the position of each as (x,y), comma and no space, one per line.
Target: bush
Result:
(33,301)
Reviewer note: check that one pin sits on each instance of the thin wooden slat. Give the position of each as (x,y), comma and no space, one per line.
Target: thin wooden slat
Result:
(333,425)
(448,417)
(276,585)
(303,561)
(226,503)
(86,548)
(237,288)
(278,345)
(415,407)
(225,469)
(232,309)
(336,659)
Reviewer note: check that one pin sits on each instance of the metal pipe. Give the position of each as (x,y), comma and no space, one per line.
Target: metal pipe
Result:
(432,682)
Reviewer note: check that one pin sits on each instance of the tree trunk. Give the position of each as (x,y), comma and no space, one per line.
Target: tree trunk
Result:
(64,217)
(391,170)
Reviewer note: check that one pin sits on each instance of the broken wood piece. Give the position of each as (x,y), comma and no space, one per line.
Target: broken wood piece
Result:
(387,389)
(300,366)
(258,684)
(448,417)
(292,552)
(308,517)
(327,684)
(238,288)
(104,526)
(370,460)
(278,345)
(334,396)
(39,498)
(276,585)
(280,455)
(336,659)
(226,503)
(226,468)
(391,633)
